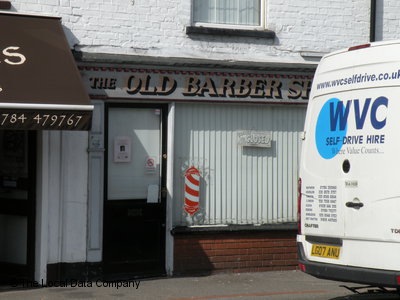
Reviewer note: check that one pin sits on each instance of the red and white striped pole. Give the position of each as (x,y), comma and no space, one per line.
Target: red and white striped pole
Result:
(192,190)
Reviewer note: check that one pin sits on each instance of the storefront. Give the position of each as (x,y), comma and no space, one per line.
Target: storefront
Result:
(185,162)
(40,90)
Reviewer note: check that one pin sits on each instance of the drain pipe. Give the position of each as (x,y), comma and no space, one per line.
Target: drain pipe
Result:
(372,23)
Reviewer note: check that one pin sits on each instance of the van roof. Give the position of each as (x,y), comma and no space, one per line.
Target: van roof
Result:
(366,66)
(372,44)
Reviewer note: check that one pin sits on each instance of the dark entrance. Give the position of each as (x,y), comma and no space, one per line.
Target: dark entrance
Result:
(135,193)
(17,205)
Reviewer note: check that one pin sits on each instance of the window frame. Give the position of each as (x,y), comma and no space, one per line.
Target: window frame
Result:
(261,26)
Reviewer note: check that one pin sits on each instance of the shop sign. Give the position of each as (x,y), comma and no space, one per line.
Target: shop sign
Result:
(36,119)
(255,139)
(40,88)
(126,83)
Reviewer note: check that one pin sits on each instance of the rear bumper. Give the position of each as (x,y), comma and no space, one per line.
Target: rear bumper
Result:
(374,277)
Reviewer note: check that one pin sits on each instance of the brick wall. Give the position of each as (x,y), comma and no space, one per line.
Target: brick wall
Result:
(234,252)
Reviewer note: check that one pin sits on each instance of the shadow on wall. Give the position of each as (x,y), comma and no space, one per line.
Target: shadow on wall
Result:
(6,6)
(71,38)
(229,36)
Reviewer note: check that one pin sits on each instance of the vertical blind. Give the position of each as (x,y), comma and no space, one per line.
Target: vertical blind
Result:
(238,12)
(239,185)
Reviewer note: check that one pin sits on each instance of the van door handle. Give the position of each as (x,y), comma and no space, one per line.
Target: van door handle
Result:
(356,205)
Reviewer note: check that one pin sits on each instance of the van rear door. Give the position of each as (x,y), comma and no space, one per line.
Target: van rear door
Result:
(321,175)
(355,181)
(371,196)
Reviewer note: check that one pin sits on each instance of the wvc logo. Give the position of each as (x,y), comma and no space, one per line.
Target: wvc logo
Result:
(335,115)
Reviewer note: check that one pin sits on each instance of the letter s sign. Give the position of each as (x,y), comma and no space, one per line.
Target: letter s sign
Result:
(17,58)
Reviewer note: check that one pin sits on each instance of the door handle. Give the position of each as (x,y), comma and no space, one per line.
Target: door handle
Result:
(164,192)
(356,205)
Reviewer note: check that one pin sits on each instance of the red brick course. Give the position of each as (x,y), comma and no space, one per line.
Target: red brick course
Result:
(201,253)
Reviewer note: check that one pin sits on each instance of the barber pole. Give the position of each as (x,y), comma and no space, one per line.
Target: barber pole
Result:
(192,190)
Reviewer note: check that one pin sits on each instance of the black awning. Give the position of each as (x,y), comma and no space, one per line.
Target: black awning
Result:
(40,85)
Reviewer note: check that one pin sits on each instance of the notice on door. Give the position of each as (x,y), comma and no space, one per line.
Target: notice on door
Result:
(152,193)
(122,149)
(150,164)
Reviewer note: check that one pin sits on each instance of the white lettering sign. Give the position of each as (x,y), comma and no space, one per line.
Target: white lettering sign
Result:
(255,139)
(15,57)
(12,58)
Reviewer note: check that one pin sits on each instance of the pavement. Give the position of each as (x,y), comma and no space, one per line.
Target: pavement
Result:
(245,286)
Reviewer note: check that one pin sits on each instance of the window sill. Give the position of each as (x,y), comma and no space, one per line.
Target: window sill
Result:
(230,32)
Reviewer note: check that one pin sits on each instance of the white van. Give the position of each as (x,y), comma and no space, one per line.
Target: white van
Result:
(349,178)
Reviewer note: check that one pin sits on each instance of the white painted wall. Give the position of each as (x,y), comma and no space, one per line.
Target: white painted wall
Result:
(96,184)
(157,28)
(387,27)
(62,191)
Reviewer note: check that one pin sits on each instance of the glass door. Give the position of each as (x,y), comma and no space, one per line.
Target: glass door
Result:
(134,214)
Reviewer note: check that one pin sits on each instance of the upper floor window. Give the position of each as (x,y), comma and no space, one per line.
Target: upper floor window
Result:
(228,12)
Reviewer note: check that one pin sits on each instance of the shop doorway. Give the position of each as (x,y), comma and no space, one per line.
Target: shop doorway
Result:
(17,205)
(135,190)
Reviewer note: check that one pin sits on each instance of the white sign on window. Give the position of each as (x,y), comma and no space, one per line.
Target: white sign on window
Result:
(122,149)
(152,193)
(151,164)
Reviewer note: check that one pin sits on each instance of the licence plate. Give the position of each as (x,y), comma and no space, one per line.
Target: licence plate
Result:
(325,251)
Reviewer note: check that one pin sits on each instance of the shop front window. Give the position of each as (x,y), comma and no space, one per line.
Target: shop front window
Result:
(236,164)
